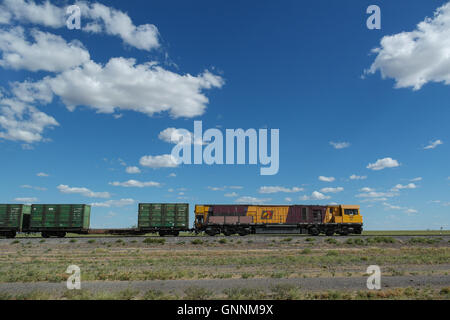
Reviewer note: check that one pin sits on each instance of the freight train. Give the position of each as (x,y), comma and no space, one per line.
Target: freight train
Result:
(56,220)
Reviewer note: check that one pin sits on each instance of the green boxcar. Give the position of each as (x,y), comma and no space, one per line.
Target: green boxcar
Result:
(12,218)
(166,218)
(57,219)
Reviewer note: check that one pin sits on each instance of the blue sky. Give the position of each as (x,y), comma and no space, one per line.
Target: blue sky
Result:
(75,107)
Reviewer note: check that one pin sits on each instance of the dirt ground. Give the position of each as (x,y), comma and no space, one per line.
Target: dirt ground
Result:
(218,267)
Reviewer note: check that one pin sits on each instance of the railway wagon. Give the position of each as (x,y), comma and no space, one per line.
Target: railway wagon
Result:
(163,218)
(277,219)
(13,218)
(55,220)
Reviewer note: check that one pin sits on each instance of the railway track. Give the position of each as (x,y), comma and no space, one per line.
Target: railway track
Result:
(258,237)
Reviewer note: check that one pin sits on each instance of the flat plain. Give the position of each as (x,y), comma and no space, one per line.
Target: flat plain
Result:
(251,267)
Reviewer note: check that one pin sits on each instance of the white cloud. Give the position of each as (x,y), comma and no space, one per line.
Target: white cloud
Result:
(367,189)
(118,23)
(174,135)
(381,164)
(135,184)
(340,145)
(45,14)
(316,195)
(96,18)
(133,170)
(170,190)
(407,186)
(394,207)
(83,191)
(231,194)
(417,179)
(326,179)
(373,194)
(122,84)
(42,174)
(276,189)
(417,57)
(21,122)
(161,161)
(216,188)
(114,203)
(48,52)
(434,144)
(332,190)
(355,177)
(252,200)
(27,186)
(236,187)
(287,199)
(26,200)
(172,175)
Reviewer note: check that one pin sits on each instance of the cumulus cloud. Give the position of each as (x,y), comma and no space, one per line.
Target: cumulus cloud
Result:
(117,23)
(287,199)
(367,189)
(45,14)
(174,135)
(407,186)
(326,179)
(48,52)
(160,161)
(417,179)
(374,194)
(83,191)
(96,17)
(21,122)
(252,200)
(316,195)
(332,190)
(133,170)
(433,144)
(26,200)
(381,164)
(276,189)
(414,58)
(135,184)
(122,85)
(42,174)
(395,207)
(27,186)
(172,175)
(231,194)
(340,145)
(114,203)
(356,177)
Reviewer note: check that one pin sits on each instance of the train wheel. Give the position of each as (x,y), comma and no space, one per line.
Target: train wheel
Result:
(314,232)
(162,233)
(61,234)
(210,233)
(329,232)
(45,235)
(227,232)
(176,233)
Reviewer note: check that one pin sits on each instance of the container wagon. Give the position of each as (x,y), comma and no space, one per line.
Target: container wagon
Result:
(55,220)
(13,218)
(277,219)
(163,218)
